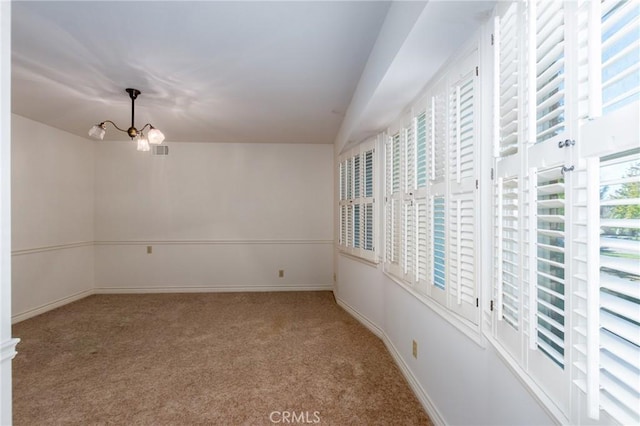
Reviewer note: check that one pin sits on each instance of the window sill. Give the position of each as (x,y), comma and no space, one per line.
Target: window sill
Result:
(368,262)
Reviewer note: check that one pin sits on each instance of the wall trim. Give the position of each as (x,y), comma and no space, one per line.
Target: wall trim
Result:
(76,244)
(50,306)
(211,289)
(206,242)
(422,395)
(8,349)
(364,320)
(41,249)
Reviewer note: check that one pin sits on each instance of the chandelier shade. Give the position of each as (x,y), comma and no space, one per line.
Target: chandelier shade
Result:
(154,136)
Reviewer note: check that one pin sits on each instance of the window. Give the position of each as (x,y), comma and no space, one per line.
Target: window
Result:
(566,210)
(430,194)
(357,203)
(619,291)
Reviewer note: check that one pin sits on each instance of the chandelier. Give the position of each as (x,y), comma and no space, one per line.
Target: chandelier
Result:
(154,136)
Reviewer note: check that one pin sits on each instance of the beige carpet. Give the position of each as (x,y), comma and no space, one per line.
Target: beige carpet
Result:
(231,358)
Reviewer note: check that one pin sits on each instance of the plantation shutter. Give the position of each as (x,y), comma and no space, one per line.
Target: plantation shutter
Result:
(438,146)
(408,213)
(507,248)
(368,202)
(462,127)
(438,241)
(620,53)
(421,151)
(388,219)
(422,243)
(507,80)
(619,293)
(356,207)
(462,268)
(550,264)
(461,206)
(549,69)
(343,196)
(422,124)
(508,276)
(395,224)
(356,201)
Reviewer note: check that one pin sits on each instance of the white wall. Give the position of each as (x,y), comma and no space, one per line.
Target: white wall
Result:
(218,217)
(52,217)
(460,381)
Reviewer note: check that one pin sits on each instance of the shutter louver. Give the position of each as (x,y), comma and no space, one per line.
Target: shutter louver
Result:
(343,225)
(508,56)
(620,53)
(462,268)
(461,101)
(368,227)
(349,226)
(356,225)
(397,171)
(508,252)
(438,146)
(388,234)
(550,69)
(356,176)
(550,270)
(422,241)
(410,159)
(421,151)
(438,242)
(408,258)
(620,287)
(396,218)
(368,174)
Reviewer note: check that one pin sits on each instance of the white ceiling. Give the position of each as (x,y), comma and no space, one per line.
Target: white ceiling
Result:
(238,71)
(208,71)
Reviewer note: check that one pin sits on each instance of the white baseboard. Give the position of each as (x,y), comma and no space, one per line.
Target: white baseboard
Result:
(50,306)
(418,390)
(363,320)
(149,290)
(214,289)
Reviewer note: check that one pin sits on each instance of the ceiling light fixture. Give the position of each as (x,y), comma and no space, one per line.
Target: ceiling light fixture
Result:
(154,136)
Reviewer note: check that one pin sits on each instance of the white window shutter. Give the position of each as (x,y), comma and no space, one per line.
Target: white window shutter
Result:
(438,260)
(549,261)
(619,292)
(549,69)
(421,150)
(507,275)
(388,202)
(507,79)
(462,104)
(422,244)
(620,53)
(438,146)
(462,266)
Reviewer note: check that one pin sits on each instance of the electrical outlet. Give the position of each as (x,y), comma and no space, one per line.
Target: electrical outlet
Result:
(415,349)
(149,249)
(334,278)
(281,273)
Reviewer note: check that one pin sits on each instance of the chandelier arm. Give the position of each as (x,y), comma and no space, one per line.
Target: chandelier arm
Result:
(115,125)
(145,126)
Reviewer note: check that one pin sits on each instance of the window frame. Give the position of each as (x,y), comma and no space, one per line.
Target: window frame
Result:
(358,197)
